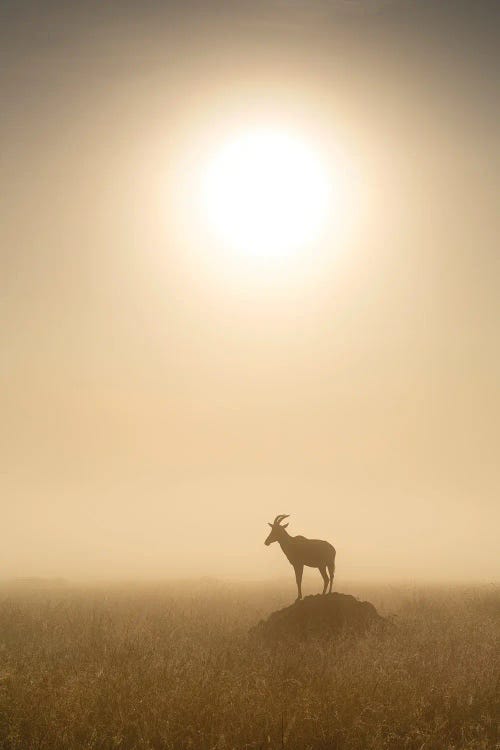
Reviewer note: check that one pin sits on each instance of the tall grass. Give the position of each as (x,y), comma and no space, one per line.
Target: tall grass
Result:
(159,667)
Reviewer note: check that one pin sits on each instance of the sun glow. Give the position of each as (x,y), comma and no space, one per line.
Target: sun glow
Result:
(266,194)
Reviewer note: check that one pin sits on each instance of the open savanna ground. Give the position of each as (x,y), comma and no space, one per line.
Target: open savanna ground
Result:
(173,666)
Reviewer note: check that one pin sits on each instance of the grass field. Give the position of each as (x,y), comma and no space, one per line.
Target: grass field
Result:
(172,666)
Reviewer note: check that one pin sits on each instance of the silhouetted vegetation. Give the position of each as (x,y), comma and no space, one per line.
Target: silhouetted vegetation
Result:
(171,667)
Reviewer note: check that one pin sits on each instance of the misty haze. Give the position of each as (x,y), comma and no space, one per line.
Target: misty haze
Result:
(250,275)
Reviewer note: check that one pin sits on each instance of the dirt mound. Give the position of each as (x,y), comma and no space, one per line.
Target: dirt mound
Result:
(319,615)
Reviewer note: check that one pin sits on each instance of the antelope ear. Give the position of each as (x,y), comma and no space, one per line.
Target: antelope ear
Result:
(284,526)
(270,524)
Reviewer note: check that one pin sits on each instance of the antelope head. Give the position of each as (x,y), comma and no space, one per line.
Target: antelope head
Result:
(277,530)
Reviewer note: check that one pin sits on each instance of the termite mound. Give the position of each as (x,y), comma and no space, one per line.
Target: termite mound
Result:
(320,615)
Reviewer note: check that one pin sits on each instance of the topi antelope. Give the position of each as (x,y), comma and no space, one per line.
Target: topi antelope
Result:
(301,551)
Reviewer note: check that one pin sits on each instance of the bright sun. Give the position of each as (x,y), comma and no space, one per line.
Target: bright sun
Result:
(266,194)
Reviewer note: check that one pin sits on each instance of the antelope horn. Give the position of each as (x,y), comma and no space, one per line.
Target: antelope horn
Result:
(279,519)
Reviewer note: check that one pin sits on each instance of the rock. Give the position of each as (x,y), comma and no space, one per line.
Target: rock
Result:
(323,615)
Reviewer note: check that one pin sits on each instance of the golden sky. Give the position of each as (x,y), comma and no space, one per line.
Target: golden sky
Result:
(159,404)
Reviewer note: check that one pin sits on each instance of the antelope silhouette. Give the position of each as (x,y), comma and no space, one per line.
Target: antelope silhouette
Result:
(301,551)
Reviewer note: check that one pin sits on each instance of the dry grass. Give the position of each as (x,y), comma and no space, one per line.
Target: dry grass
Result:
(162,667)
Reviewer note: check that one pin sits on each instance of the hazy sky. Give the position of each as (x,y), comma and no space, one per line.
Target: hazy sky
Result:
(159,406)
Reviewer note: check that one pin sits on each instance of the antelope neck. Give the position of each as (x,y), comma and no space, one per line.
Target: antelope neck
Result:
(285,542)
